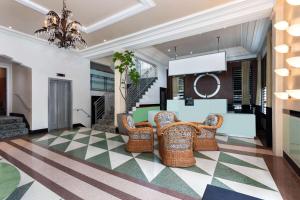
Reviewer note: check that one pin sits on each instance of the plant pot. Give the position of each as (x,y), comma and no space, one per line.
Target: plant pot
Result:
(121,128)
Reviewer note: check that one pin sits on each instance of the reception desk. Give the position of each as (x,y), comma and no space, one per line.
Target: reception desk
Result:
(235,124)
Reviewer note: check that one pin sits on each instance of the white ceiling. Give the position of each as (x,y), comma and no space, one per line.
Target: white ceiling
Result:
(239,41)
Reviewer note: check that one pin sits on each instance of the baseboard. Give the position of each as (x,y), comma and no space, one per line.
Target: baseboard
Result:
(292,163)
(37,131)
(78,125)
(45,130)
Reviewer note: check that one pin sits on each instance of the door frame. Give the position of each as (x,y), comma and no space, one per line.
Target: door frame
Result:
(9,95)
(71,100)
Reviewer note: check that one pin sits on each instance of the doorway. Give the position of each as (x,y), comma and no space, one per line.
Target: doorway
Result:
(3,93)
(59,104)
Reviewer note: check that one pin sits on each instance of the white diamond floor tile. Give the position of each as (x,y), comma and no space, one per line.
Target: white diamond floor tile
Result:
(117,159)
(38,192)
(257,161)
(251,190)
(150,169)
(74,145)
(93,151)
(59,140)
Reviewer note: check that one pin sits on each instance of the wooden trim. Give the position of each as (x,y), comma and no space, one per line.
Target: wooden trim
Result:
(292,163)
(293,113)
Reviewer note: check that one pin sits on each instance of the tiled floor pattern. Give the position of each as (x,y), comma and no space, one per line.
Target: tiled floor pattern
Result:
(30,189)
(241,173)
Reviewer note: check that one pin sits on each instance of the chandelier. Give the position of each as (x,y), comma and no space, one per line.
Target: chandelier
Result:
(61,30)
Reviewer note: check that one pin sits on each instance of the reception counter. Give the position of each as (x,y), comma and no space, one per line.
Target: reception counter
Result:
(235,124)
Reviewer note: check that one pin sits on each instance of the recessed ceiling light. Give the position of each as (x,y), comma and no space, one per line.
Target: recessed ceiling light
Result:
(283,48)
(191,52)
(294,2)
(104,40)
(169,50)
(10,27)
(281,25)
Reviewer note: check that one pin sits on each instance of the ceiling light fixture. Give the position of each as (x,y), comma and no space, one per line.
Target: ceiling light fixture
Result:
(282,95)
(294,61)
(169,50)
(281,25)
(294,30)
(283,48)
(10,27)
(61,30)
(191,52)
(294,2)
(282,72)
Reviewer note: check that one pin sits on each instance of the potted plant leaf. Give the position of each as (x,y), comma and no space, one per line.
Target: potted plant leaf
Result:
(125,64)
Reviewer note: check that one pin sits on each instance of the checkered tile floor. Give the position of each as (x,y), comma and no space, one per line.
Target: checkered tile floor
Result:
(241,173)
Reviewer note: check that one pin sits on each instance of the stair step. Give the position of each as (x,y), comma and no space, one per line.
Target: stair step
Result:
(10,120)
(13,133)
(12,126)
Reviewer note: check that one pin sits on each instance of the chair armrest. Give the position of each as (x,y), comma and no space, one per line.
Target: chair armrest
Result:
(143,124)
(179,123)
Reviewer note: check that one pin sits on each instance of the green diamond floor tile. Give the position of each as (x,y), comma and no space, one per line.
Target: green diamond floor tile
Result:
(61,147)
(84,140)
(200,155)
(102,144)
(149,156)
(102,160)
(232,160)
(117,138)
(233,141)
(168,179)
(100,135)
(225,172)
(45,143)
(19,192)
(69,137)
(132,168)
(78,153)
(122,149)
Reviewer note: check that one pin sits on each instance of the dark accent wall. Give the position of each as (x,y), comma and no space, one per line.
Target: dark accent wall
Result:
(207,85)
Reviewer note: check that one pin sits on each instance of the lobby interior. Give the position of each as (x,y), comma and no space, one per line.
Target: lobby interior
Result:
(150,99)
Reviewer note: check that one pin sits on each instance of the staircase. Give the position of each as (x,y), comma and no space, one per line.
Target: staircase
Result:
(12,127)
(136,92)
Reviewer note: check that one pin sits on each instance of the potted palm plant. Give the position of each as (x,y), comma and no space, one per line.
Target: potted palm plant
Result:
(125,64)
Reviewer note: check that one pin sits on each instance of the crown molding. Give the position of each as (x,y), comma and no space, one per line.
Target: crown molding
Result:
(131,11)
(230,14)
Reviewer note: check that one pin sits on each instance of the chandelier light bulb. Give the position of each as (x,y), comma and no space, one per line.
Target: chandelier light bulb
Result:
(293,2)
(282,72)
(294,30)
(283,48)
(281,25)
(294,61)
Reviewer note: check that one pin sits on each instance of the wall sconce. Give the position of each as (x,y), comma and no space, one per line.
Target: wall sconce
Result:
(282,95)
(294,61)
(294,93)
(282,72)
(283,48)
(281,25)
(294,30)
(293,2)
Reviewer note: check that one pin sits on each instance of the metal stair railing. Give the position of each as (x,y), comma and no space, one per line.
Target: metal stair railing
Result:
(135,92)
(104,106)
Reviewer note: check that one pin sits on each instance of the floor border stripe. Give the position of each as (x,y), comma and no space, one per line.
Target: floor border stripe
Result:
(99,185)
(40,178)
(120,175)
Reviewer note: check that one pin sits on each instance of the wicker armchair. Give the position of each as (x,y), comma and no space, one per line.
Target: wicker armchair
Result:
(205,140)
(140,135)
(164,118)
(176,144)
